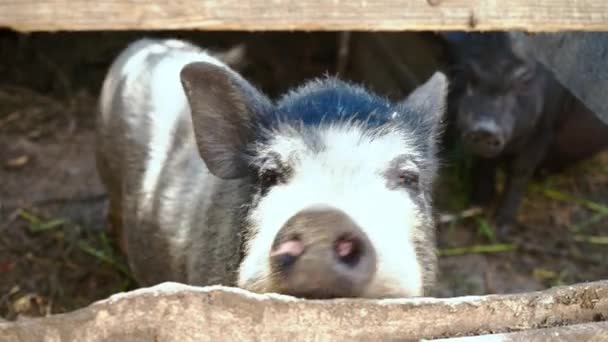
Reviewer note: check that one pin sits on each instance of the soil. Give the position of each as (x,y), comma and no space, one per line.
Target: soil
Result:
(55,257)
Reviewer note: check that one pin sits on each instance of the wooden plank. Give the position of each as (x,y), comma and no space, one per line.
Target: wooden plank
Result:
(597,331)
(306,15)
(178,312)
(578,60)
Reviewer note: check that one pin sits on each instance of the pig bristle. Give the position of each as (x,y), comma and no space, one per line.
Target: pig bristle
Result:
(335,175)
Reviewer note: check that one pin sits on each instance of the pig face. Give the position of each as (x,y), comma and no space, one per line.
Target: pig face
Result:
(502,92)
(340,182)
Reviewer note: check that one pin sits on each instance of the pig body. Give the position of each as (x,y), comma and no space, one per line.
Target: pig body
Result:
(510,110)
(160,192)
(325,193)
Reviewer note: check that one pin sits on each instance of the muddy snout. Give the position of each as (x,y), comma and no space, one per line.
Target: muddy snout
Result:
(485,138)
(322,253)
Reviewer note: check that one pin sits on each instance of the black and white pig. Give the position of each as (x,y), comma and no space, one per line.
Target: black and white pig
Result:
(510,110)
(324,193)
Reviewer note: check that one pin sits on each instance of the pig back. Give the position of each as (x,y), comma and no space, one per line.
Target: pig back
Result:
(178,222)
(579,134)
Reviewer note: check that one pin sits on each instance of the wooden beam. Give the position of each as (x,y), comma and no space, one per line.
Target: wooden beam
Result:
(304,15)
(178,312)
(597,331)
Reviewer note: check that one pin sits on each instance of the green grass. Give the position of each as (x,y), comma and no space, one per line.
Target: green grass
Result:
(563,197)
(37,225)
(477,249)
(99,246)
(485,229)
(547,189)
(454,179)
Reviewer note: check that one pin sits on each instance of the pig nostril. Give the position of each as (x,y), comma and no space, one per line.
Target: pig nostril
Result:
(484,138)
(344,248)
(286,253)
(493,141)
(284,261)
(348,250)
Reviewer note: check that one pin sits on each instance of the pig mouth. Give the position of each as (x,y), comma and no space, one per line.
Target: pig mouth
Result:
(485,140)
(484,151)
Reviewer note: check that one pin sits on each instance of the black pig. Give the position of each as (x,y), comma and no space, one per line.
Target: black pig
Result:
(509,109)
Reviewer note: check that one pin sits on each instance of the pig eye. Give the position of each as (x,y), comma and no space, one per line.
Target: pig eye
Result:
(526,79)
(473,79)
(269,178)
(523,76)
(408,179)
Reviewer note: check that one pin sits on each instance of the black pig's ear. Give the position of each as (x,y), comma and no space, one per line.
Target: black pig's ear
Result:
(425,106)
(225,109)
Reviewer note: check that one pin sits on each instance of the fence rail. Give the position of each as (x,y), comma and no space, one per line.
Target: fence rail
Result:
(304,15)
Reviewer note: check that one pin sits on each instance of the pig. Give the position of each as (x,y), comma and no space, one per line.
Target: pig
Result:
(322,193)
(510,110)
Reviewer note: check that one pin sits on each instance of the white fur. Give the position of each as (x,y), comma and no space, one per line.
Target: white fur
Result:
(167,100)
(347,175)
(132,67)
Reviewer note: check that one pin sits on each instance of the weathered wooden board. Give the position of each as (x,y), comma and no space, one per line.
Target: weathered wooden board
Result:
(597,331)
(579,61)
(177,312)
(390,15)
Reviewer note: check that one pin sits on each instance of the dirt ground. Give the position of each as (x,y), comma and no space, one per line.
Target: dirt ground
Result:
(55,257)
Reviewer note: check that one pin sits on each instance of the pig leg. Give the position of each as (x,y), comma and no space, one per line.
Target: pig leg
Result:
(114,225)
(520,171)
(483,176)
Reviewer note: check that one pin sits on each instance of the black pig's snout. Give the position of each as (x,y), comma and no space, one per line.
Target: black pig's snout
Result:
(485,138)
(322,253)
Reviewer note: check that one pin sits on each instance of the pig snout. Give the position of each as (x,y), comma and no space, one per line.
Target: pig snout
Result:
(485,138)
(322,253)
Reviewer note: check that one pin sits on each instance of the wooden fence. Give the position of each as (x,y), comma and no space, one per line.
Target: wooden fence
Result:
(304,15)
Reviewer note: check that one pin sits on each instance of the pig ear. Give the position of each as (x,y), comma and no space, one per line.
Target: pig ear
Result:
(224,110)
(427,102)
(235,57)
